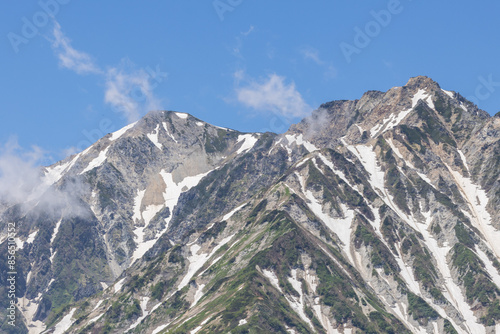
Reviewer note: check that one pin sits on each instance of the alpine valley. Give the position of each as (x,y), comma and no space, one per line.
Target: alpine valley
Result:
(378,215)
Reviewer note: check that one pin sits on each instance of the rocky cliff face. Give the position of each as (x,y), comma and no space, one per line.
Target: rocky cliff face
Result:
(377,215)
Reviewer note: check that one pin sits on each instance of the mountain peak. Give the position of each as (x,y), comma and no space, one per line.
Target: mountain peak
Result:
(362,209)
(422,82)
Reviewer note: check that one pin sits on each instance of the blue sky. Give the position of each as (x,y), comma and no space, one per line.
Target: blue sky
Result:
(91,67)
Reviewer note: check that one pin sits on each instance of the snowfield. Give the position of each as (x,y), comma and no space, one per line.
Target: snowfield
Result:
(248,142)
(97,161)
(121,132)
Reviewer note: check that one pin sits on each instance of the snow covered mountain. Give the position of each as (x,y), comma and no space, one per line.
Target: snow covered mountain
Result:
(378,215)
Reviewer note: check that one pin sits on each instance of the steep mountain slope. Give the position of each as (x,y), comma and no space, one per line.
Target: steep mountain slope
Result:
(105,207)
(377,215)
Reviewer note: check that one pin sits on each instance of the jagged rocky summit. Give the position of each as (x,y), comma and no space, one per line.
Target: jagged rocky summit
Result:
(378,215)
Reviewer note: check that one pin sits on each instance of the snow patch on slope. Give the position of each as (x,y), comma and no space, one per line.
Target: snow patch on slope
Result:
(171,196)
(325,322)
(477,199)
(145,313)
(367,157)
(174,190)
(492,271)
(390,122)
(52,255)
(337,172)
(28,308)
(121,132)
(393,120)
(198,294)
(197,329)
(153,136)
(312,280)
(31,237)
(196,261)
(426,179)
(91,321)
(230,214)
(248,142)
(342,227)
(303,162)
(421,95)
(160,328)
(398,153)
(181,115)
(19,243)
(150,212)
(147,215)
(452,291)
(97,305)
(65,323)
(54,174)
(97,161)
(137,217)
(447,92)
(56,230)
(168,132)
(297,303)
(464,159)
(273,279)
(299,140)
(118,285)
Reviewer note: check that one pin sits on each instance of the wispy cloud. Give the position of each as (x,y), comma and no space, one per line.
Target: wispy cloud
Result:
(70,58)
(273,95)
(312,54)
(249,31)
(18,174)
(22,180)
(130,92)
(238,45)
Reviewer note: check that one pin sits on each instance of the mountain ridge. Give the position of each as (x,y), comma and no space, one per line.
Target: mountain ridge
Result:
(373,215)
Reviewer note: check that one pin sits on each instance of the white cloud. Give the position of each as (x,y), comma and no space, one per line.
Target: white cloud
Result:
(130,92)
(238,46)
(274,95)
(249,31)
(239,76)
(19,176)
(69,58)
(23,181)
(310,53)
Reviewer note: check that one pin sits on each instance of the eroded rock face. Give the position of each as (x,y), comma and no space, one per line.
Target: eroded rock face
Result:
(374,215)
